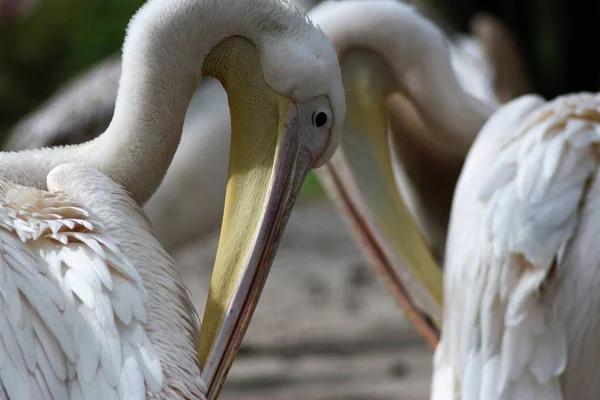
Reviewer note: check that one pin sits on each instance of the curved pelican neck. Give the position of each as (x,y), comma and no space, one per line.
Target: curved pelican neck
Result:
(163,58)
(418,55)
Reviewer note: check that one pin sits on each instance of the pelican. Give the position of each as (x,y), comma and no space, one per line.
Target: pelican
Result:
(83,109)
(382,57)
(426,170)
(91,305)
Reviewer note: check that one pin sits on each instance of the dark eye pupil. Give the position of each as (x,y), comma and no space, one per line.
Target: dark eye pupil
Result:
(320,119)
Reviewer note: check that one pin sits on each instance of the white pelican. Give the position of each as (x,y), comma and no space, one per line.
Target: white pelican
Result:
(198,174)
(381,55)
(425,169)
(77,257)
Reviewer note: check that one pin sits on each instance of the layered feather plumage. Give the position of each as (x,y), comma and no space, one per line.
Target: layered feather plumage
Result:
(73,305)
(518,254)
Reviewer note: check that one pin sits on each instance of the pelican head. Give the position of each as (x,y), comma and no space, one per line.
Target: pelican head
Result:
(387,48)
(287,108)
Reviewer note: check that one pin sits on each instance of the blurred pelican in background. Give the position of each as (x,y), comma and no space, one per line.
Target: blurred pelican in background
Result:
(399,94)
(489,62)
(489,66)
(381,48)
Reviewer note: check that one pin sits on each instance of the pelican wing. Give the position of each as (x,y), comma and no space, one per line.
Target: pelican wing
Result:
(516,211)
(79,112)
(72,307)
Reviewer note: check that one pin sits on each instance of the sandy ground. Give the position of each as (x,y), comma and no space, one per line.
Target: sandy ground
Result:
(325,328)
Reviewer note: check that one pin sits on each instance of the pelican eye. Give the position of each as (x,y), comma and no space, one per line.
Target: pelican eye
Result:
(321,118)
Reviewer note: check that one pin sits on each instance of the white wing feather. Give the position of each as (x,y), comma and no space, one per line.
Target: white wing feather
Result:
(516,211)
(71,305)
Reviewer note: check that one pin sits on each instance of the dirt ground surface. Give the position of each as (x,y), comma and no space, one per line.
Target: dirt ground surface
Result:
(325,327)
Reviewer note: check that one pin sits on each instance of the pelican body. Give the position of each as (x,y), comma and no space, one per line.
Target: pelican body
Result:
(80,316)
(91,305)
(521,265)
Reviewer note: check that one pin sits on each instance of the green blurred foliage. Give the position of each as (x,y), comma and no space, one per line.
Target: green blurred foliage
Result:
(57,40)
(311,189)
